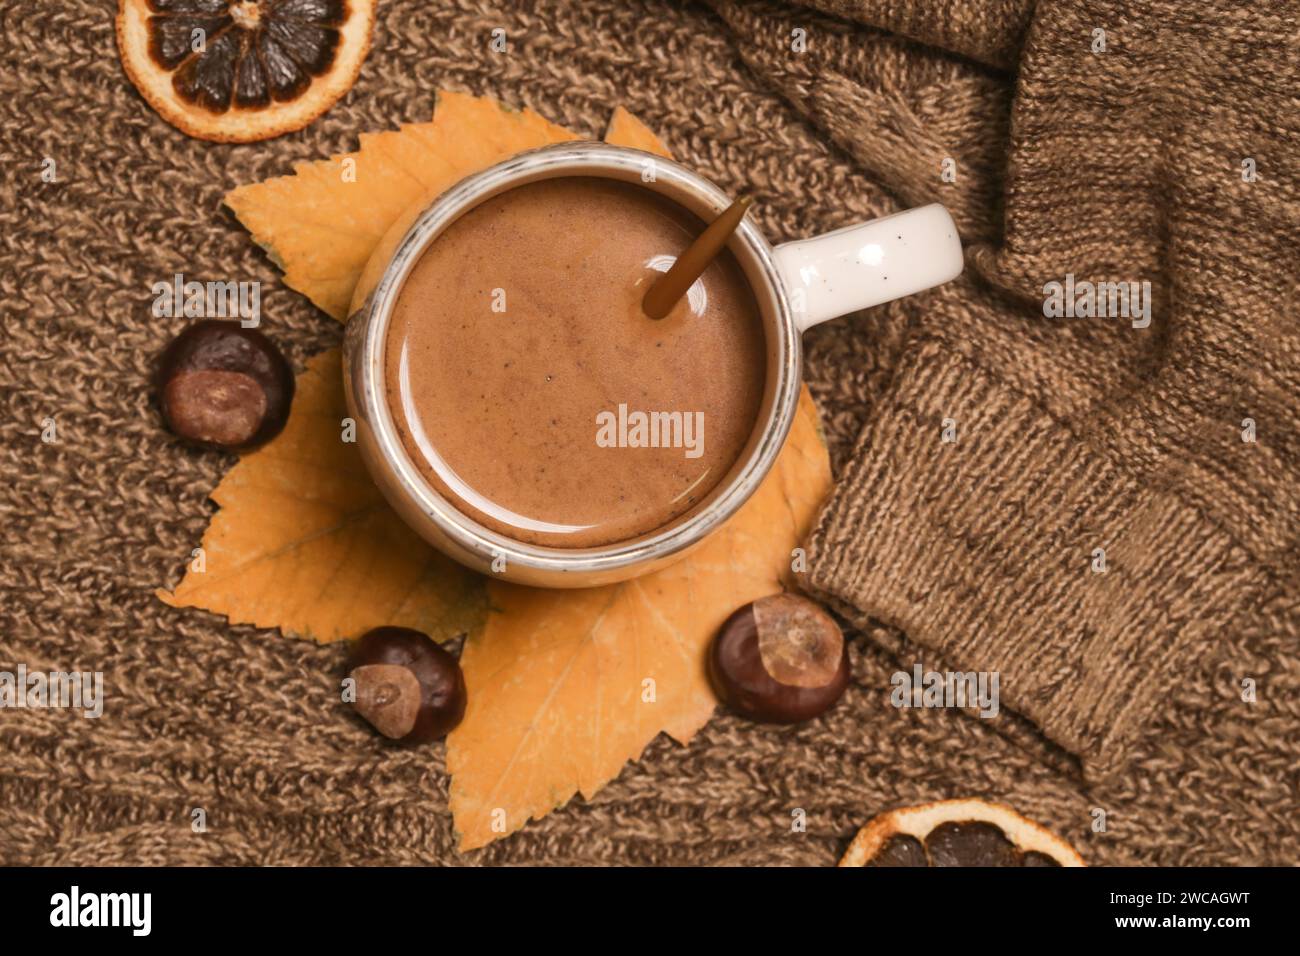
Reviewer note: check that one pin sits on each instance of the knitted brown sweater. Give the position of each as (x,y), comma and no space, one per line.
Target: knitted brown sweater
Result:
(1082,499)
(1072,434)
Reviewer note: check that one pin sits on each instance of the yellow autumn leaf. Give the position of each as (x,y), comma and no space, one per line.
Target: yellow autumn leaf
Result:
(321,224)
(305,542)
(565,687)
(626,130)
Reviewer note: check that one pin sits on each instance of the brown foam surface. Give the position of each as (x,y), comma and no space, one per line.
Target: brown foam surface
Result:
(520,327)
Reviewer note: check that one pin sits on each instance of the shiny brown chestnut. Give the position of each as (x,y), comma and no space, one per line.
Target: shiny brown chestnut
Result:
(224,386)
(407,687)
(780,660)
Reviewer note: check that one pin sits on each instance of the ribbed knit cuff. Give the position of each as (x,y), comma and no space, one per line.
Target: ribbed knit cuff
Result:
(984,550)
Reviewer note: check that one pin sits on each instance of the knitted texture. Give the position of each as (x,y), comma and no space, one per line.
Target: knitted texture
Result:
(1069,501)
(247,725)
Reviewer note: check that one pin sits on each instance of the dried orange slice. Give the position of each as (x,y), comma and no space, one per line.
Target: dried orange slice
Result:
(235,72)
(969,832)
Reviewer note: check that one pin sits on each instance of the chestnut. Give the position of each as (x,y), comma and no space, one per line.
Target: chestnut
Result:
(407,687)
(780,660)
(224,386)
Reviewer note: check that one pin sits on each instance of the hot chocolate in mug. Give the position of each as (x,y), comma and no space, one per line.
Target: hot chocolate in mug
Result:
(795,286)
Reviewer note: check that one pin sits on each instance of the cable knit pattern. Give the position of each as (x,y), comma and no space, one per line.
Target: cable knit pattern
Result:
(1147,144)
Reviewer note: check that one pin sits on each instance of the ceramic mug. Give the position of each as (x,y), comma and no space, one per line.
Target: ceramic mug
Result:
(796,285)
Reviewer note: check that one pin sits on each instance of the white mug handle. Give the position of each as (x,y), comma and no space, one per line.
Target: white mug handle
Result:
(860,266)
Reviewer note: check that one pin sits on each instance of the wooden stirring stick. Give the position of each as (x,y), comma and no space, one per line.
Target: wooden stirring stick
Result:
(690,265)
